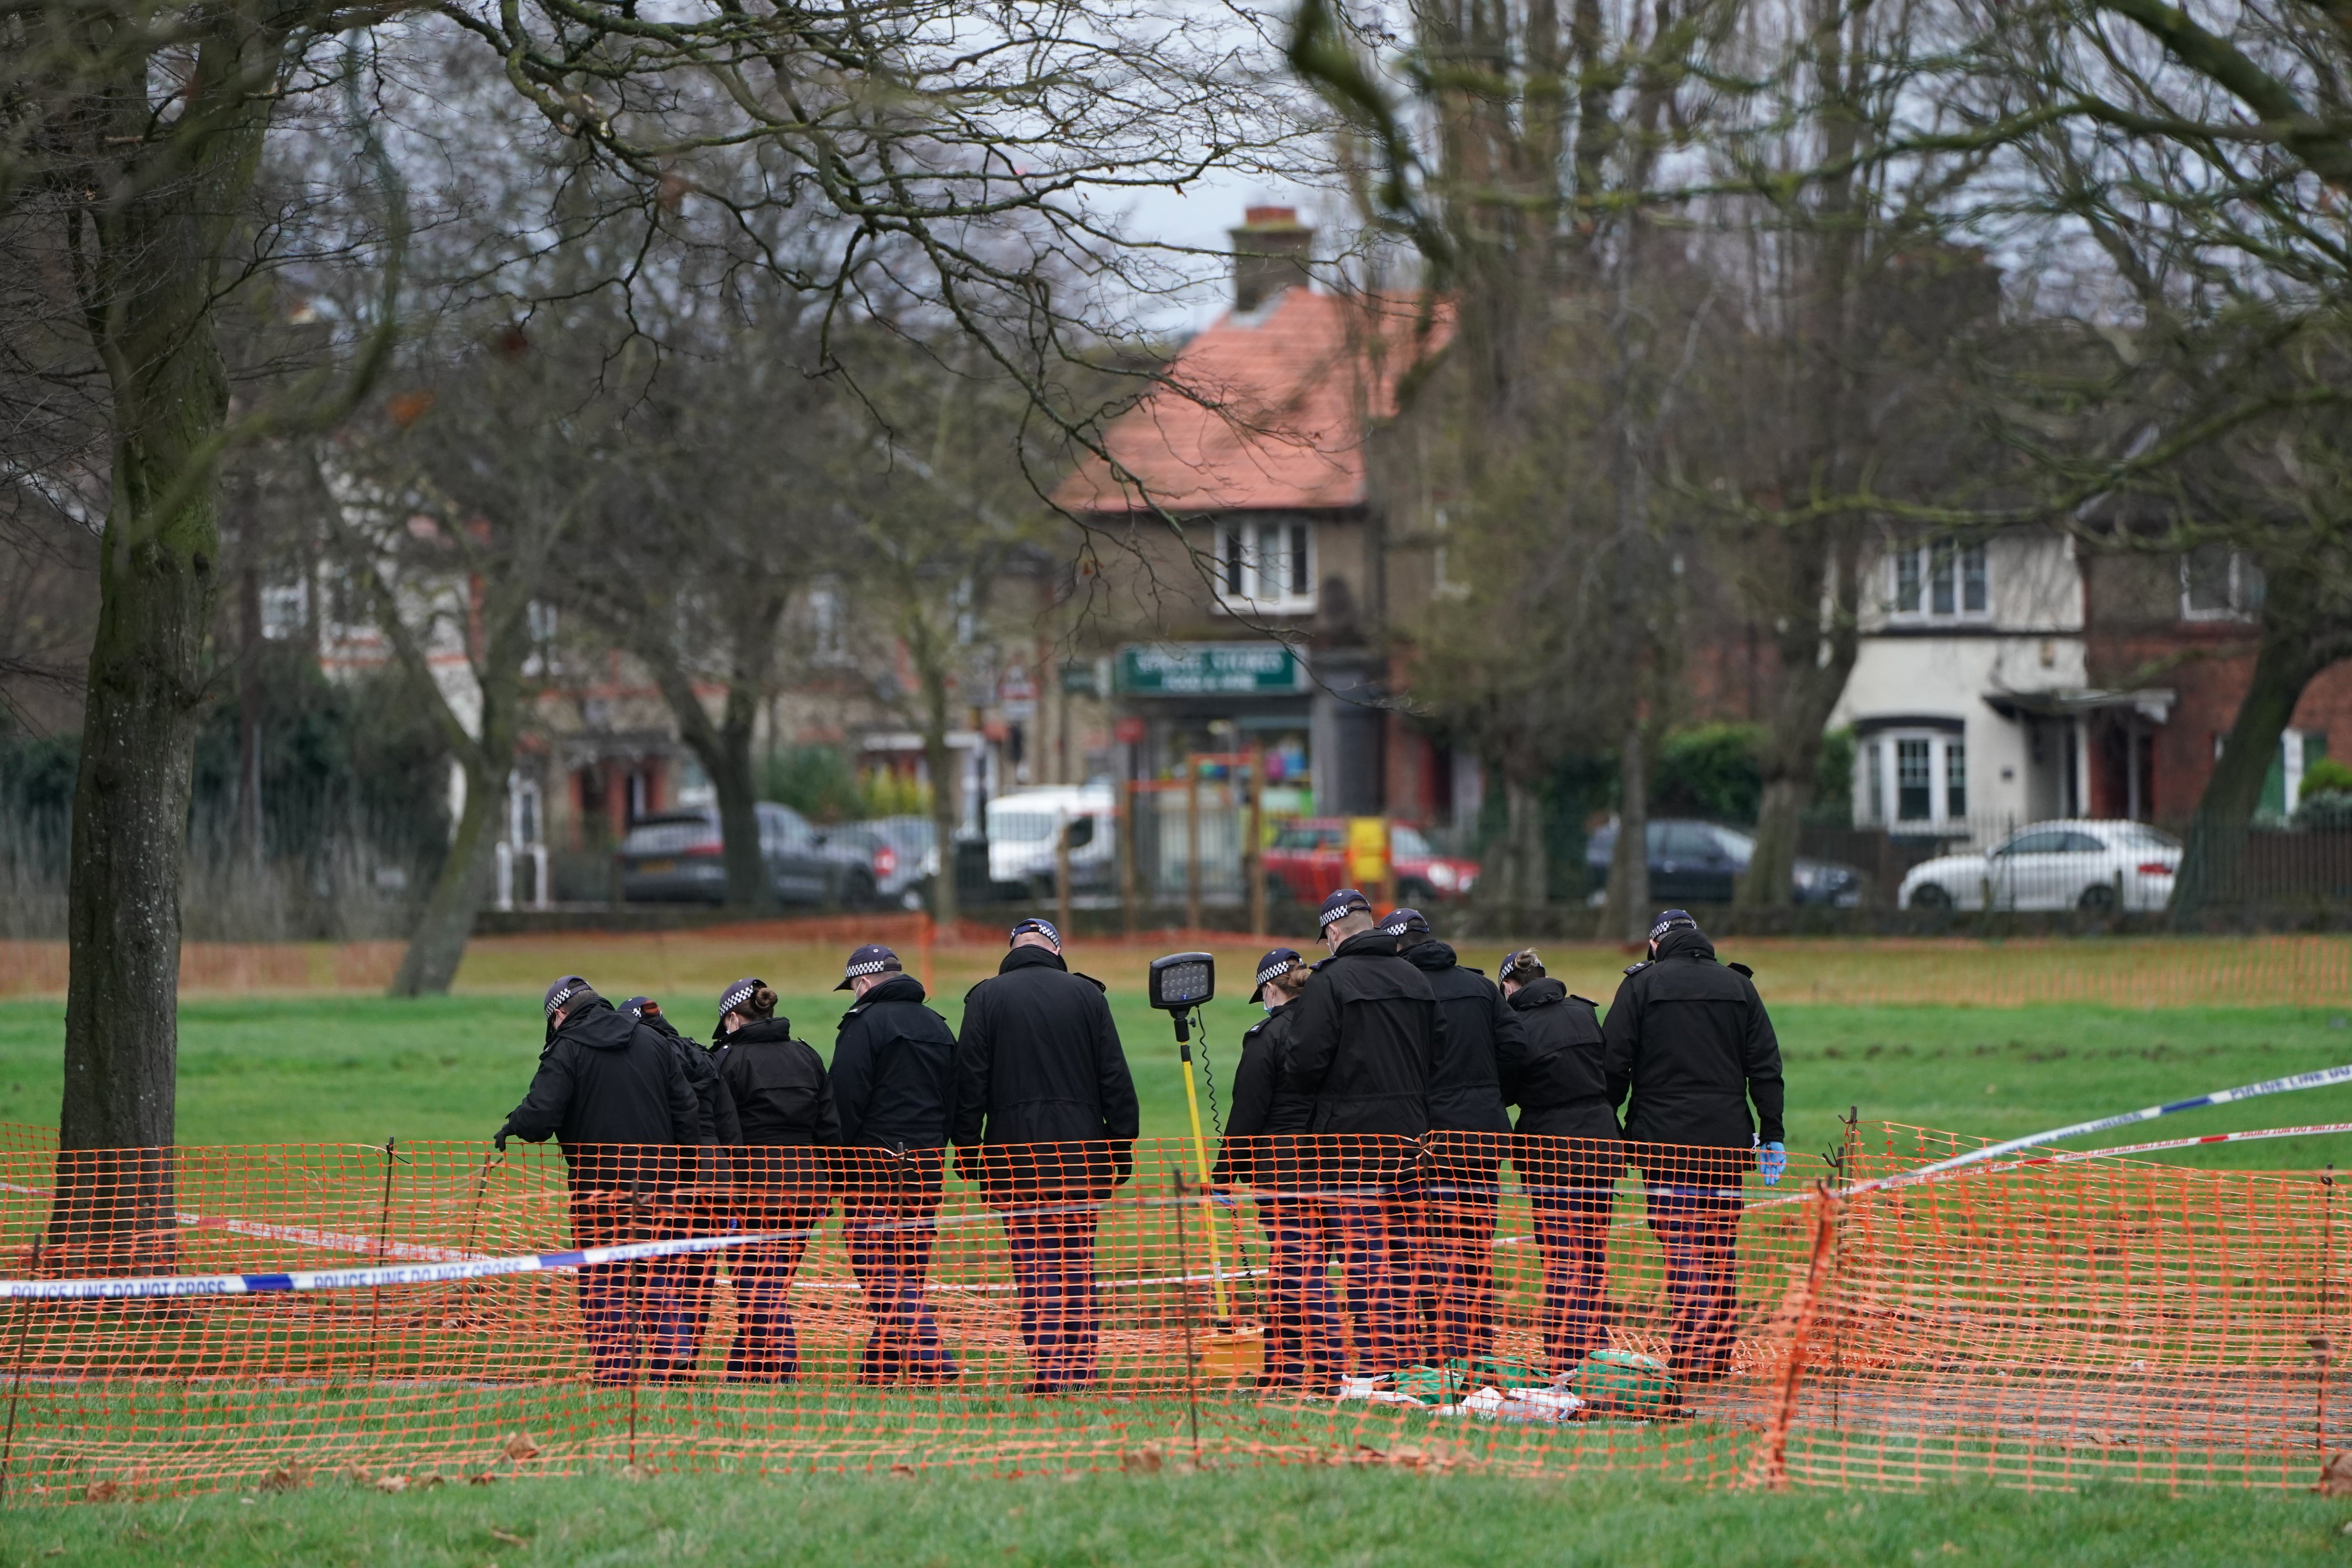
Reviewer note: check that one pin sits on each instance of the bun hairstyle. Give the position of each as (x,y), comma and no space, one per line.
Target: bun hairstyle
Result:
(1523,967)
(750,997)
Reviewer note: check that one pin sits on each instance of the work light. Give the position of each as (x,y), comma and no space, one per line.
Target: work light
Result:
(1183,981)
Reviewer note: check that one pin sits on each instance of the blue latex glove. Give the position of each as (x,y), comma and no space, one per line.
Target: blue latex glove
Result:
(1772,1162)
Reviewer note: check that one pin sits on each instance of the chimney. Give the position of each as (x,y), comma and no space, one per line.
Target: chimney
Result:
(1269,255)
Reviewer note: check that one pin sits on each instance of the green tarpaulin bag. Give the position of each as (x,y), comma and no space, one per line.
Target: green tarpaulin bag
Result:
(1623,1382)
(1451,1379)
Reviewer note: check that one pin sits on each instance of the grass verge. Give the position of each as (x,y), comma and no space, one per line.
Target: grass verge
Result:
(1225,1519)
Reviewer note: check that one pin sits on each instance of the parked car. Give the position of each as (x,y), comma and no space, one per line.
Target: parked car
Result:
(1309,861)
(677,856)
(2096,867)
(1024,828)
(1694,862)
(903,853)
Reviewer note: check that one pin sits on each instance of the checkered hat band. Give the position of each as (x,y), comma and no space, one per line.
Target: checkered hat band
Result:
(1043,928)
(1276,970)
(1341,912)
(559,998)
(736,997)
(871,967)
(1673,919)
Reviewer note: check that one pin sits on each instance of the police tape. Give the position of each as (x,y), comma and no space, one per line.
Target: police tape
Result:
(2323,1078)
(163,1286)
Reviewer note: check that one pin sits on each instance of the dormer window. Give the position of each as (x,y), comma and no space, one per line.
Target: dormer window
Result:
(1266,568)
(1941,580)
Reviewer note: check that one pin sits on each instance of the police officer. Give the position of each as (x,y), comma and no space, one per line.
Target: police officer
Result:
(1566,1151)
(894,1089)
(1260,1152)
(1367,1036)
(703,1199)
(1045,1119)
(784,1101)
(1688,1038)
(1469,1134)
(719,1124)
(612,1093)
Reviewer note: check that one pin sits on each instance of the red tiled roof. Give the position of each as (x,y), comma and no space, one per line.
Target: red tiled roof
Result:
(1266,411)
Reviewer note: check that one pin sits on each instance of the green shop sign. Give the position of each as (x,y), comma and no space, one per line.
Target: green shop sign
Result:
(1210,670)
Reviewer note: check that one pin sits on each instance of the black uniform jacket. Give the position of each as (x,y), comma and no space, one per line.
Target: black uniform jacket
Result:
(1558,1086)
(1688,1038)
(605,1082)
(894,1070)
(1367,1035)
(719,1124)
(1040,1070)
(785,1102)
(1262,1134)
(1483,1040)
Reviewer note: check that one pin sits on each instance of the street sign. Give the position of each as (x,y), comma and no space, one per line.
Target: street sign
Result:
(1210,670)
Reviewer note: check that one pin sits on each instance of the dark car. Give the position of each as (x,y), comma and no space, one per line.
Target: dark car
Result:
(677,856)
(877,867)
(1694,862)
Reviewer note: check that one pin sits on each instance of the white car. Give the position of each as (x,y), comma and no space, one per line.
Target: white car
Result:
(2096,867)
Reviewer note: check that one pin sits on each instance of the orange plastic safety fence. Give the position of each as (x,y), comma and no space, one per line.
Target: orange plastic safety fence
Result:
(1042,1308)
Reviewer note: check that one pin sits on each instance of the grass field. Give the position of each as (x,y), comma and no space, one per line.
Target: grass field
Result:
(1223,1520)
(360,1069)
(357,1067)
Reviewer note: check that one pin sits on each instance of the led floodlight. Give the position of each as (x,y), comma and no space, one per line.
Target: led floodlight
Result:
(1183,979)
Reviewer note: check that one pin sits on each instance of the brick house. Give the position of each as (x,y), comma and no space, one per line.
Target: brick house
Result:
(1266,614)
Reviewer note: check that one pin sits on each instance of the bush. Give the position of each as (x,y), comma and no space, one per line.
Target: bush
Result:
(2328,811)
(2327,777)
(1709,771)
(814,781)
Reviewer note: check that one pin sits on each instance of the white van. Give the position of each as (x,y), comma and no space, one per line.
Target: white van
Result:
(1024,826)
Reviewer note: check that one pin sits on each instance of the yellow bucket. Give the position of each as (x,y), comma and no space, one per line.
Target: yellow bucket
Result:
(1233,1353)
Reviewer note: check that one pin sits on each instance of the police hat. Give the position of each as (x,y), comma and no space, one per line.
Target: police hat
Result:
(871,959)
(735,996)
(1398,922)
(1521,966)
(1044,927)
(1671,920)
(561,993)
(1339,906)
(1277,962)
(638,1006)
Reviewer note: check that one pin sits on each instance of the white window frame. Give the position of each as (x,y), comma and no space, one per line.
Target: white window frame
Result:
(1922,556)
(2244,593)
(1878,794)
(1242,565)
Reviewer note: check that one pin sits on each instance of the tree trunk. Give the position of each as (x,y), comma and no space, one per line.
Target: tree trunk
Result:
(1814,671)
(939,758)
(1530,879)
(249,837)
(724,749)
(1627,915)
(2212,863)
(731,780)
(438,942)
(114,1204)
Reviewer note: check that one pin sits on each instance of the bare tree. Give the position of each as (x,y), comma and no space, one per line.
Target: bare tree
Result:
(457,525)
(977,145)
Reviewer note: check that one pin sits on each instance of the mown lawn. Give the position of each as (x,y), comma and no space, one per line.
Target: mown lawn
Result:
(359,1069)
(1226,1519)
